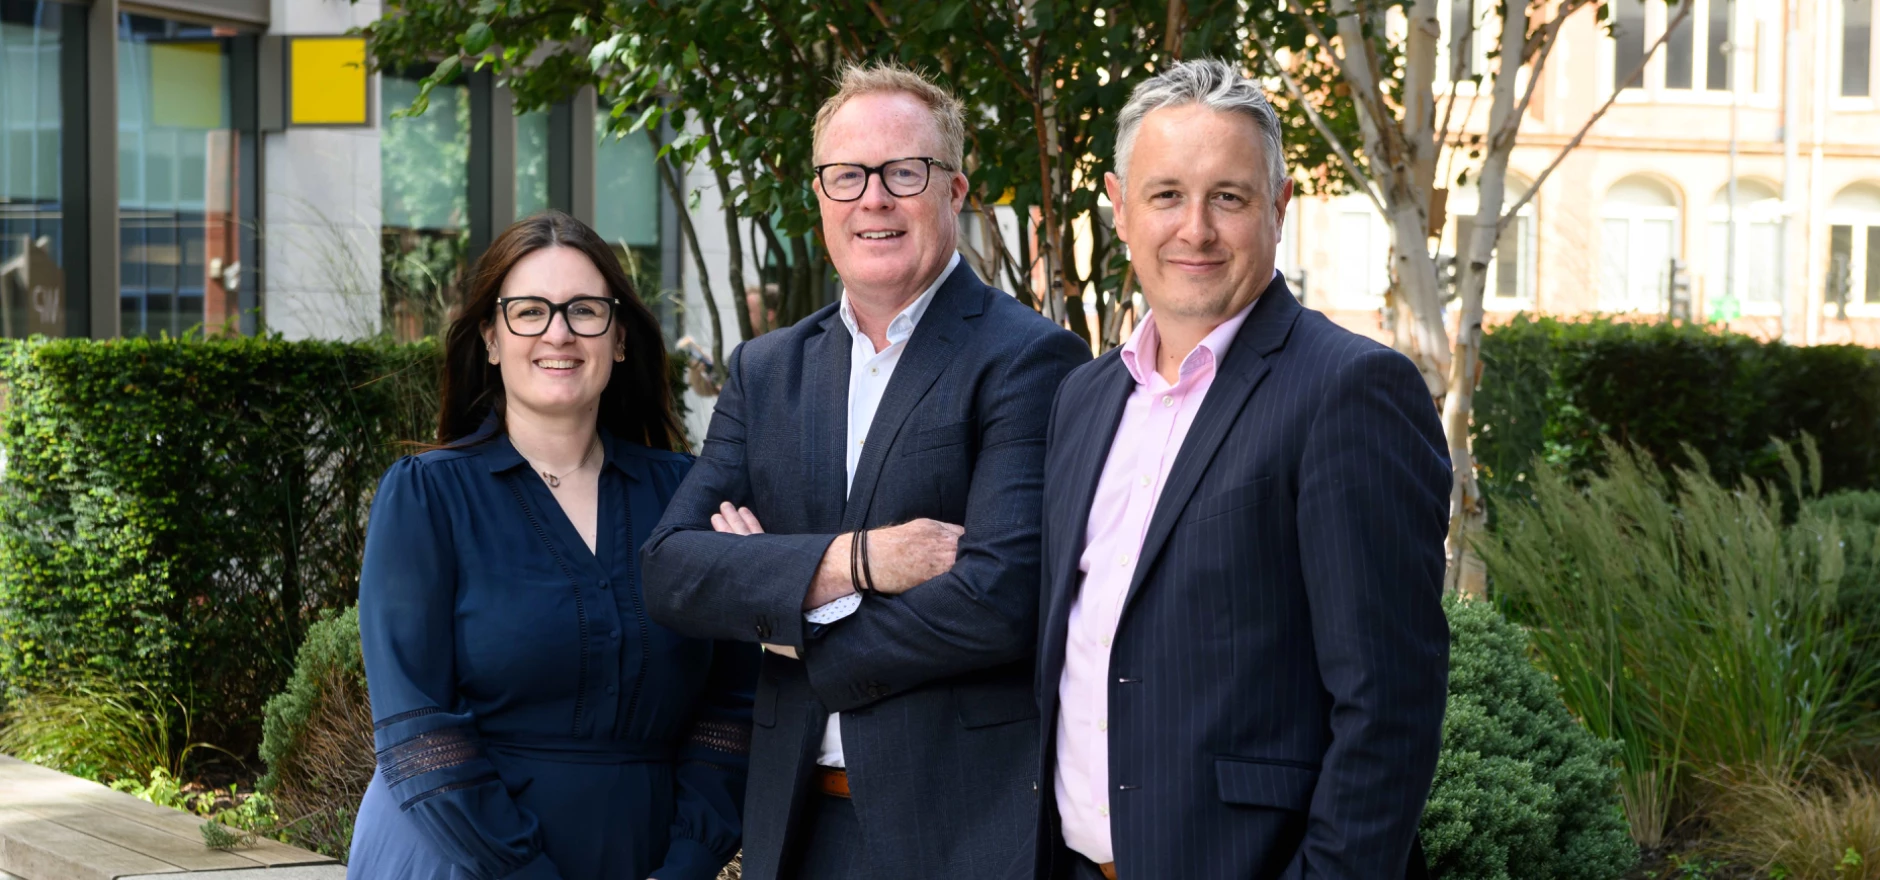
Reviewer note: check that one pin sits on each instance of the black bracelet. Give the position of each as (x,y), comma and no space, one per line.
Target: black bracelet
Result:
(855,563)
(867,570)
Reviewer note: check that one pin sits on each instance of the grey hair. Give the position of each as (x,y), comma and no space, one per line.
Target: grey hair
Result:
(1214,84)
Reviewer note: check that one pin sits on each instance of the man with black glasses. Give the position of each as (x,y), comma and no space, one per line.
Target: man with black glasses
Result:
(866,505)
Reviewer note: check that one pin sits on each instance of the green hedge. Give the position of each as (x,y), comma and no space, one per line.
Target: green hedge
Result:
(1522,789)
(1554,388)
(175,512)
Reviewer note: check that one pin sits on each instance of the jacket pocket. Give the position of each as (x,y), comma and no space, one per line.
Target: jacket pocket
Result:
(1257,783)
(956,434)
(1229,500)
(989,705)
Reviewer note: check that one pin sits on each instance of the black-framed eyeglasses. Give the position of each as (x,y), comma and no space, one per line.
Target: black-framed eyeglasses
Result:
(904,178)
(531,315)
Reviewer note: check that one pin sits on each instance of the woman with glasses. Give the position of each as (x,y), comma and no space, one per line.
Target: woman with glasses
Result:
(530,721)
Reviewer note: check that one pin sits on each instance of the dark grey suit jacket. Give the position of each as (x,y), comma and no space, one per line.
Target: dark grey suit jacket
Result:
(939,727)
(1277,678)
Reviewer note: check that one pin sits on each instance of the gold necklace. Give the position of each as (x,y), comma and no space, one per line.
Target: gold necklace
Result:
(554,482)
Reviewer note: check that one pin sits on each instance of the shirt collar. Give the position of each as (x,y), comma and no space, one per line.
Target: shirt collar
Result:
(902,326)
(501,454)
(1139,352)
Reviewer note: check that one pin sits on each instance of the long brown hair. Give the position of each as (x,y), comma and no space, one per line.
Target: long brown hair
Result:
(636,405)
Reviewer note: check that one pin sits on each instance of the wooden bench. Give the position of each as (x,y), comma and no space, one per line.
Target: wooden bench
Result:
(59,827)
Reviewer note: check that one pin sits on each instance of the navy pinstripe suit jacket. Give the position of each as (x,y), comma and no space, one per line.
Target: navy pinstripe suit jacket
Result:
(939,726)
(1277,679)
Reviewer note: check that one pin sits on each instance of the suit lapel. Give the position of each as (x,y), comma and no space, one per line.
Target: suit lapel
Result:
(1234,382)
(937,338)
(826,420)
(1094,430)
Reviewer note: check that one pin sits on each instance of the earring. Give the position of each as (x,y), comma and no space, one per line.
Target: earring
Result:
(620,353)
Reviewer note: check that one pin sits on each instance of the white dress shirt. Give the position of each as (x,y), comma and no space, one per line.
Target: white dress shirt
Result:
(869,372)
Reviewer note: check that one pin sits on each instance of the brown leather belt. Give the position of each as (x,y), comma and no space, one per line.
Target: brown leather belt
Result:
(1108,869)
(832,782)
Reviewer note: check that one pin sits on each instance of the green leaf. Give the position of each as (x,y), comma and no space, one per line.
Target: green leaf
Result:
(478,38)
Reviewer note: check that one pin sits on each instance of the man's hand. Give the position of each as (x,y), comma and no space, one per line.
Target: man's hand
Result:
(905,556)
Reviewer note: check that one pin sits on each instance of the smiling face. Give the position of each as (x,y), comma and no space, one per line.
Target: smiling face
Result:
(882,245)
(1198,213)
(556,374)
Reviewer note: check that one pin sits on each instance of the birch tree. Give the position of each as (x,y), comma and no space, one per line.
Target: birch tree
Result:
(1376,62)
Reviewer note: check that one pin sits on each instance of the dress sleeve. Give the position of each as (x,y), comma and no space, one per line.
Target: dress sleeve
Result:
(712,763)
(429,753)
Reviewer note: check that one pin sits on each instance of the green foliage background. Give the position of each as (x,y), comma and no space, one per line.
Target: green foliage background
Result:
(1556,389)
(175,511)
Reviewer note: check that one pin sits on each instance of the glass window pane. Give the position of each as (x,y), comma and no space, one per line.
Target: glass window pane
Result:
(423,159)
(1628,35)
(1716,60)
(1840,264)
(32,283)
(1856,47)
(1614,257)
(531,163)
(1510,275)
(173,101)
(1873,264)
(1354,270)
(626,192)
(424,192)
(1651,264)
(1678,51)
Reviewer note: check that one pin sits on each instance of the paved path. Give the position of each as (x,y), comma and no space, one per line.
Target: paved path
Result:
(59,827)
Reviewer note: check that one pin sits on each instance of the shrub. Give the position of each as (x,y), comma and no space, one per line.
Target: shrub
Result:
(98,730)
(317,739)
(174,512)
(1857,514)
(1684,619)
(1522,790)
(1556,390)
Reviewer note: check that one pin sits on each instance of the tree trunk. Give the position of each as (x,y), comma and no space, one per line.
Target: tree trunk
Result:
(1466,513)
(734,241)
(669,175)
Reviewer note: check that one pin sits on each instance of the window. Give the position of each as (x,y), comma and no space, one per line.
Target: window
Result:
(531,162)
(627,199)
(424,204)
(1716,45)
(1628,35)
(1857,48)
(1758,240)
(1361,264)
(1854,246)
(32,234)
(177,172)
(1677,49)
(1463,21)
(1638,240)
(1510,282)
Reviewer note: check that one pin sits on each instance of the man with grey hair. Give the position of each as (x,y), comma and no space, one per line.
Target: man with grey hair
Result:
(1243,657)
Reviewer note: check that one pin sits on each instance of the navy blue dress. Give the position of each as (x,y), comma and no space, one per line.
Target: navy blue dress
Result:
(530,720)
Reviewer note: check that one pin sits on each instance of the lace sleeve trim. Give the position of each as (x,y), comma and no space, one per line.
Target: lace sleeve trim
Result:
(439,749)
(722,736)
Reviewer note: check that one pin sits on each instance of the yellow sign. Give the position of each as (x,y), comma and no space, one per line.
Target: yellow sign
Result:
(327,81)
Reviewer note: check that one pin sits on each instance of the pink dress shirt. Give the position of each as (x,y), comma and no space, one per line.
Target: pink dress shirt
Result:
(1155,421)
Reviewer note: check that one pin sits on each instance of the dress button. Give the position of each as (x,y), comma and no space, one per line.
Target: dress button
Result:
(612,690)
(614,635)
(606,584)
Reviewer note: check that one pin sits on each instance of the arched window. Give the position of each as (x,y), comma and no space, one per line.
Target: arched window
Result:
(1854,246)
(1511,272)
(1758,242)
(1638,240)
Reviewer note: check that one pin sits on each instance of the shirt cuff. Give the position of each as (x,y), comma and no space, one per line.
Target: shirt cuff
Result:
(834,611)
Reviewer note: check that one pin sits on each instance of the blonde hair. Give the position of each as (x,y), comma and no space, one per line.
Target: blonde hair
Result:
(857,80)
